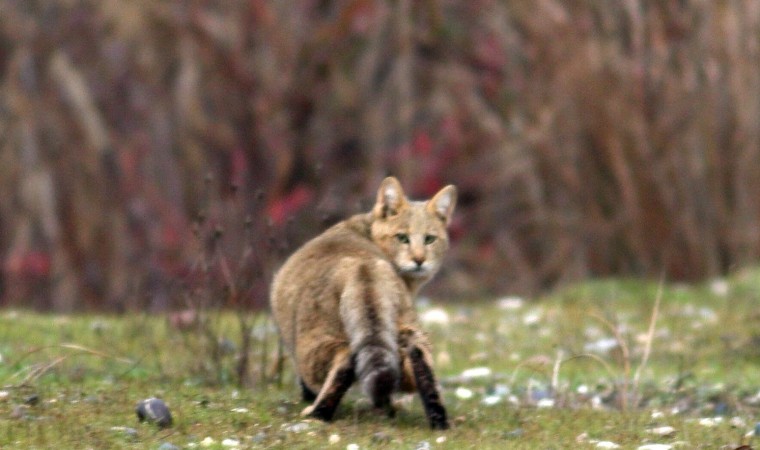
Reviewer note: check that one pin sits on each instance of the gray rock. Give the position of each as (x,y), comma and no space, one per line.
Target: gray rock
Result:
(154,410)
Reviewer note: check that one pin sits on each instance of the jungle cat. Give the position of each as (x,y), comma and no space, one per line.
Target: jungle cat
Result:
(343,304)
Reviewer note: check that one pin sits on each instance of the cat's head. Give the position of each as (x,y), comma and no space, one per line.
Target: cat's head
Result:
(412,233)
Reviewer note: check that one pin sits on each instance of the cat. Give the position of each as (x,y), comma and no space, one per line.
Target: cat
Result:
(343,303)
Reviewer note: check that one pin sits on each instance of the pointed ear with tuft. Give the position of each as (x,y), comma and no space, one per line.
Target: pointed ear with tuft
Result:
(390,199)
(442,204)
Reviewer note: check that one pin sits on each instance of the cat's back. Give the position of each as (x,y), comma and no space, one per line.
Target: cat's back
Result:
(313,276)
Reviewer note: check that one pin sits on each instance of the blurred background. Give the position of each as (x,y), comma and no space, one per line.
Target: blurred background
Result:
(149,146)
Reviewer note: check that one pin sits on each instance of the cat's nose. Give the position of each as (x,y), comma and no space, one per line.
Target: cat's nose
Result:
(418,260)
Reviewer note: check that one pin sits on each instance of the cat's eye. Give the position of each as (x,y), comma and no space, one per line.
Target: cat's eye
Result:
(429,239)
(403,238)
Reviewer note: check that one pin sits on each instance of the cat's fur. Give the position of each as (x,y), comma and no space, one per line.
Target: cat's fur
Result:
(343,303)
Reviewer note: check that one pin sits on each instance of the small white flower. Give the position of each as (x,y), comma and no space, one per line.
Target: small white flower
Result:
(333,439)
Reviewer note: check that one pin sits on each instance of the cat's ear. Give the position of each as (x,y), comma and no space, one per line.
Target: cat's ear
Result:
(390,199)
(442,204)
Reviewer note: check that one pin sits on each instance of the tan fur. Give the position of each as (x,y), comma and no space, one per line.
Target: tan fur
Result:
(345,299)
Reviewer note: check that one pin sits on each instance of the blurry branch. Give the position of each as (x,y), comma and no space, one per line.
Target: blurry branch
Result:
(73,85)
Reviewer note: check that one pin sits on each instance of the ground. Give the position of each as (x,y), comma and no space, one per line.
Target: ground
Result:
(580,368)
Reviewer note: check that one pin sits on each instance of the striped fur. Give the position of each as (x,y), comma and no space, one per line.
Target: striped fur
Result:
(341,301)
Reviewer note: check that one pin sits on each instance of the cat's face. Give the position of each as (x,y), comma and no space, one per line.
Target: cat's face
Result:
(412,234)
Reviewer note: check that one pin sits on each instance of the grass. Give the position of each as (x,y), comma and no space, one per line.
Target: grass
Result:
(555,376)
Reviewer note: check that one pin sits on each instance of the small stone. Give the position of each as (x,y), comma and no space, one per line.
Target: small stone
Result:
(208,441)
(230,443)
(352,447)
(545,403)
(333,439)
(463,393)
(655,447)
(663,431)
(259,437)
(168,446)
(476,372)
(32,400)
(422,445)
(738,422)
(514,434)
(381,437)
(240,410)
(18,412)
(607,444)
(296,427)
(710,421)
(491,400)
(435,316)
(4,395)
(510,303)
(440,439)
(129,432)
(154,410)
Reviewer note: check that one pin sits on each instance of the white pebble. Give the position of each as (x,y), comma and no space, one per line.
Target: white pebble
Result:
(655,447)
(491,400)
(532,318)
(437,316)
(239,410)
(710,421)
(606,444)
(662,431)
(231,443)
(463,393)
(602,346)
(208,442)
(510,303)
(352,447)
(657,414)
(738,422)
(333,439)
(4,395)
(476,372)
(440,439)
(545,403)
(719,287)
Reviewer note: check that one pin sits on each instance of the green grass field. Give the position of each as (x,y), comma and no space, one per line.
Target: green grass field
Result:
(564,371)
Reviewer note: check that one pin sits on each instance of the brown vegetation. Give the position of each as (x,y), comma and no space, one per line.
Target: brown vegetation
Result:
(586,137)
